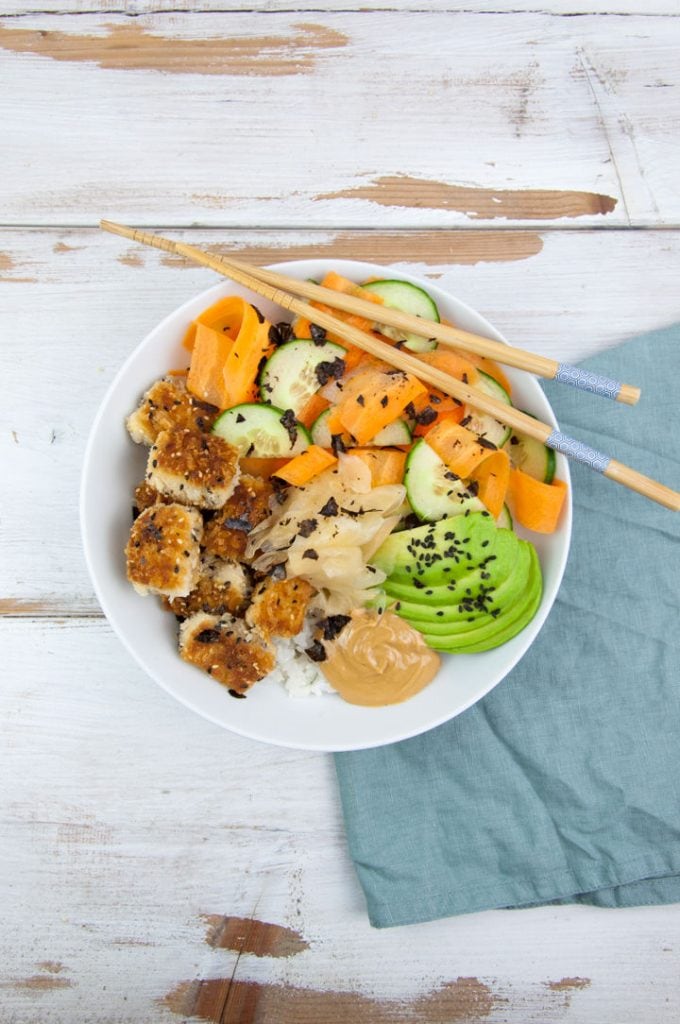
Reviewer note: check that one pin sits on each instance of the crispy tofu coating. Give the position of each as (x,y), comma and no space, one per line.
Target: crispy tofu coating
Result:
(146,496)
(226,649)
(163,550)
(227,532)
(167,405)
(278,606)
(192,468)
(222,587)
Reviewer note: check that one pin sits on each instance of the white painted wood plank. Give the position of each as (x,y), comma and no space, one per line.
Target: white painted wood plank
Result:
(125,818)
(76,303)
(532,102)
(135,7)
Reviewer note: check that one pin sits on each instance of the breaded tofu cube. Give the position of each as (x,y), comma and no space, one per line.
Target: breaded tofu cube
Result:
(163,551)
(226,649)
(227,532)
(278,607)
(222,587)
(166,405)
(146,496)
(192,468)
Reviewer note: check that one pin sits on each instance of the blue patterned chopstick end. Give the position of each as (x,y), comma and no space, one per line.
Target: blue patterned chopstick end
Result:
(577,450)
(585,380)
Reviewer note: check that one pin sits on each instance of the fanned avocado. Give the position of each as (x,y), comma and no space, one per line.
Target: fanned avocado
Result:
(434,552)
(464,583)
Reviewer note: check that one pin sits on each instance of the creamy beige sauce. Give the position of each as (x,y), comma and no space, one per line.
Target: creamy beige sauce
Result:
(378,660)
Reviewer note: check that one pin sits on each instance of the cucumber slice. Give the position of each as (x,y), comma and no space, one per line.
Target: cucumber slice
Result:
(262,431)
(486,426)
(409,299)
(293,373)
(321,435)
(531,456)
(504,520)
(430,489)
(393,434)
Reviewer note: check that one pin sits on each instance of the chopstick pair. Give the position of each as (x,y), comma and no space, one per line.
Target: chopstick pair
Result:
(277,287)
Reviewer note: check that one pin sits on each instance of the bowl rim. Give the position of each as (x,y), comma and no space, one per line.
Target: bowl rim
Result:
(210,295)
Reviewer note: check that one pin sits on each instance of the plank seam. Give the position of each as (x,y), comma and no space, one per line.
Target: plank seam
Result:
(121,12)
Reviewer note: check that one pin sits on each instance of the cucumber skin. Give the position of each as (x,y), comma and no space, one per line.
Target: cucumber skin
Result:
(260,408)
(414,491)
(414,342)
(267,390)
(548,453)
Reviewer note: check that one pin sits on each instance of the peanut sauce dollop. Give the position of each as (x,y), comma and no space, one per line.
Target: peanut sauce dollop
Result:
(379,659)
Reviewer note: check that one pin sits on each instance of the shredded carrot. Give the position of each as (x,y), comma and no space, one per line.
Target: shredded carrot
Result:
(251,344)
(206,373)
(492,476)
(386,464)
(448,361)
(304,467)
(312,409)
(302,327)
(463,454)
(260,467)
(534,504)
(458,447)
(178,373)
(189,337)
(222,316)
(374,397)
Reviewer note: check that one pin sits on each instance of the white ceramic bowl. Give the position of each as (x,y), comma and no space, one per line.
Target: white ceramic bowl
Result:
(114,465)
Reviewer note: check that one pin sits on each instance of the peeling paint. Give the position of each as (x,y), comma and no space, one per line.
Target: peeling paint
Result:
(568,983)
(39,983)
(244,935)
(132,48)
(60,247)
(566,987)
(477,203)
(228,1002)
(432,248)
(8,263)
(131,259)
(51,966)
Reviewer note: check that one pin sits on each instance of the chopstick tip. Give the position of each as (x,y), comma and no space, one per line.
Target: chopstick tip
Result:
(628,394)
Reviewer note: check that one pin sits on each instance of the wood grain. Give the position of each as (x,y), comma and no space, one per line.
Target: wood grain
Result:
(555,104)
(478,203)
(557,8)
(154,866)
(129,47)
(117,866)
(557,302)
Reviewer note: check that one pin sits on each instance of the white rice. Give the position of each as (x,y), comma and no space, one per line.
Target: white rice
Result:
(295,670)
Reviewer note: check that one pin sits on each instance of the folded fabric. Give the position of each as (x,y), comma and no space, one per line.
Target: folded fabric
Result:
(561,785)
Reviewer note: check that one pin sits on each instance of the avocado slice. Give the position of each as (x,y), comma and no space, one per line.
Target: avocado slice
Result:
(464,583)
(488,567)
(462,612)
(426,552)
(503,628)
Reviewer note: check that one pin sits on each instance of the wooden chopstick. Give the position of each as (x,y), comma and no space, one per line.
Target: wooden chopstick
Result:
(507,414)
(509,355)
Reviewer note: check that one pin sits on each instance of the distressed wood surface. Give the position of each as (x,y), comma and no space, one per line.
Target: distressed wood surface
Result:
(159,869)
(93,297)
(426,135)
(154,867)
(559,8)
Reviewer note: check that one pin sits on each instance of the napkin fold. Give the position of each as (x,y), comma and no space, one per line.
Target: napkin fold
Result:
(562,784)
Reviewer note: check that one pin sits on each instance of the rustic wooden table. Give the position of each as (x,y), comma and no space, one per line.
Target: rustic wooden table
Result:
(154,867)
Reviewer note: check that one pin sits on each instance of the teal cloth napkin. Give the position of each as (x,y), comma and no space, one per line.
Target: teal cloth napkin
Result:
(561,785)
